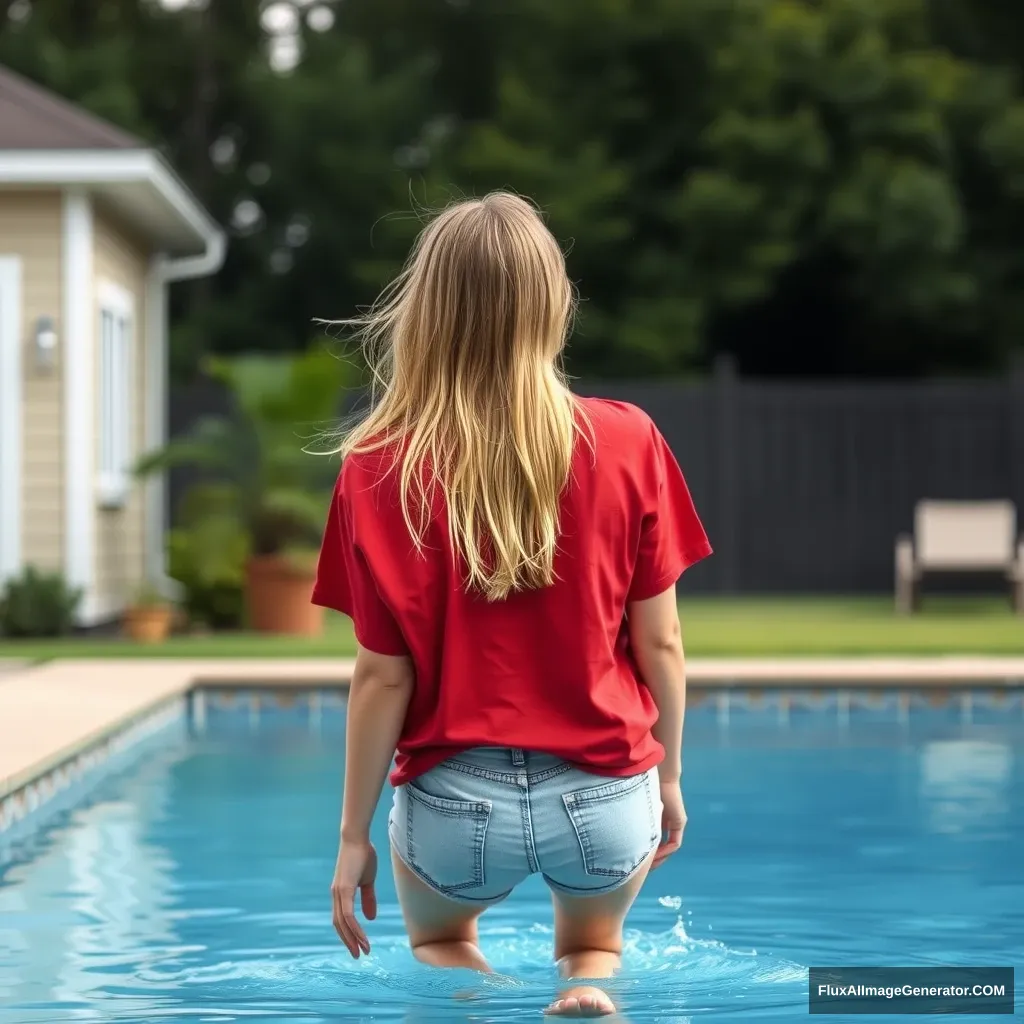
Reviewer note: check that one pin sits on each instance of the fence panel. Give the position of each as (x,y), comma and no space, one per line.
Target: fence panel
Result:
(804,486)
(829,476)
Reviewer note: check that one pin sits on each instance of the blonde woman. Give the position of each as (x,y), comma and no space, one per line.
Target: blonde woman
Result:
(508,553)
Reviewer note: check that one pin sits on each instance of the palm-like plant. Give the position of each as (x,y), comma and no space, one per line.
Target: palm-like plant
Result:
(267,482)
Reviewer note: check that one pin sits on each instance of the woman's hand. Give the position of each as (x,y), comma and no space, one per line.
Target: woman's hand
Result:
(378,698)
(673,821)
(356,868)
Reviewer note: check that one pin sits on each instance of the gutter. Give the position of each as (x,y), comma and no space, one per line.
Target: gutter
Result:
(88,168)
(164,271)
(187,268)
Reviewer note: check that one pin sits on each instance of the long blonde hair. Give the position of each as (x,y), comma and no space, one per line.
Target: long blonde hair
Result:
(464,348)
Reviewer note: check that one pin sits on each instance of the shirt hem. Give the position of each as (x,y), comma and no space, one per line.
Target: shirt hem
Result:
(636,768)
(669,579)
(321,600)
(390,649)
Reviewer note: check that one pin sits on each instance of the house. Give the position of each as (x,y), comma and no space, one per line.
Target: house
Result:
(94,229)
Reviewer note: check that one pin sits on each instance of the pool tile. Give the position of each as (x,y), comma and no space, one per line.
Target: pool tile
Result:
(999,700)
(34,799)
(806,699)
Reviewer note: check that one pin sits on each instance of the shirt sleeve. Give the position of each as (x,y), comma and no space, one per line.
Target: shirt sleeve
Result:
(672,537)
(344,582)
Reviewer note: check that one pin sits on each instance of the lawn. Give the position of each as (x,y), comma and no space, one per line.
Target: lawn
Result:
(713,627)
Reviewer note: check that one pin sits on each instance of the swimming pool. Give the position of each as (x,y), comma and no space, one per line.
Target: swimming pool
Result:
(195,884)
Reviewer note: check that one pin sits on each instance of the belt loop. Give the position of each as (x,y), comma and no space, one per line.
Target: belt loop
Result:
(518,757)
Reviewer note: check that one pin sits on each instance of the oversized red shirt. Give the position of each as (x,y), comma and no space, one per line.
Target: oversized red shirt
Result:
(547,670)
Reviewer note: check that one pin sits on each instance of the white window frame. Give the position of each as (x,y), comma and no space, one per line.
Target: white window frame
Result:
(115,344)
(11,408)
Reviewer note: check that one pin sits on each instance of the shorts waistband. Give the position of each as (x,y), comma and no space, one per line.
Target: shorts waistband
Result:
(507,761)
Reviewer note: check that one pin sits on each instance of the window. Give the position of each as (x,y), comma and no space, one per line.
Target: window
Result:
(116,451)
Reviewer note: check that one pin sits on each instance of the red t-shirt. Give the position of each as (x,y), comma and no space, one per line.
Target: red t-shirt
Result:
(547,670)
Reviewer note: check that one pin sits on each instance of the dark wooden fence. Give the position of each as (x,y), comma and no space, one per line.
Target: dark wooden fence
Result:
(804,487)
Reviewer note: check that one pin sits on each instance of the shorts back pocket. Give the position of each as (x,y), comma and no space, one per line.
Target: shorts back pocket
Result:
(445,838)
(615,824)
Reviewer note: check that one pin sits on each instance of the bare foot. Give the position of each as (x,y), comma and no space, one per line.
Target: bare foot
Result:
(581,1001)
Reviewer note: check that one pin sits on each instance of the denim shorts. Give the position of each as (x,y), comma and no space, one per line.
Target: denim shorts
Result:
(476,825)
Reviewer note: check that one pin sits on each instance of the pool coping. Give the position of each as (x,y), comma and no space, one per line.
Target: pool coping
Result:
(53,712)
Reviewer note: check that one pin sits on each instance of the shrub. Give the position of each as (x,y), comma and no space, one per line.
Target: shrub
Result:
(38,604)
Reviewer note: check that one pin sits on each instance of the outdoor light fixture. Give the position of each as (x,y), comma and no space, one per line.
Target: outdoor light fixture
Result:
(46,344)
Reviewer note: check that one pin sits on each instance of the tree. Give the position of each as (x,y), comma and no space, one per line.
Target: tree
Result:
(724,159)
(820,186)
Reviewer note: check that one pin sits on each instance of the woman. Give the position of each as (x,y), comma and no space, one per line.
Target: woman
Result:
(508,553)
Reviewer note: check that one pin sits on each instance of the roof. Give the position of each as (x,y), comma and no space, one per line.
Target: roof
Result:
(34,118)
(47,141)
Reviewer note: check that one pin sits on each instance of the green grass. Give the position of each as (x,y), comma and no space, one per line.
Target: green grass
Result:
(713,627)
(837,627)
(337,641)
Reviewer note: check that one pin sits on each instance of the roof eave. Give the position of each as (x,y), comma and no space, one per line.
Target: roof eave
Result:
(132,167)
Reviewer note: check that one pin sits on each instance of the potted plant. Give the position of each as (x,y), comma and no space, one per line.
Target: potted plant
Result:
(261,479)
(148,619)
(207,555)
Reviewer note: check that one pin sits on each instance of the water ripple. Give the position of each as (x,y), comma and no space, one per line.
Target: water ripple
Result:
(195,889)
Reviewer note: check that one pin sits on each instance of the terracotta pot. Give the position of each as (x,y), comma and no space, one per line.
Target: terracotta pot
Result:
(277,594)
(149,625)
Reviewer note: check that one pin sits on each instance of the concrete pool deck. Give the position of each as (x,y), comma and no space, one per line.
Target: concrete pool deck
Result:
(52,712)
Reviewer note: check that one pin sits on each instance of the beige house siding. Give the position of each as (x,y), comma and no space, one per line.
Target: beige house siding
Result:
(31,229)
(120,533)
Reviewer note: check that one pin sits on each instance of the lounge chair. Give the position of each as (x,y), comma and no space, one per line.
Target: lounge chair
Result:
(960,536)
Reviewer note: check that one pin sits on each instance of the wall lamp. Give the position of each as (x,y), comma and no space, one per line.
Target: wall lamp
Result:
(45,344)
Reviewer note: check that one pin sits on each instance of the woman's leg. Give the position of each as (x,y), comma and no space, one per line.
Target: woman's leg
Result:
(588,943)
(442,932)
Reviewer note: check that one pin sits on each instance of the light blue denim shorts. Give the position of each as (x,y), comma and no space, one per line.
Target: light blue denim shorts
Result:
(476,825)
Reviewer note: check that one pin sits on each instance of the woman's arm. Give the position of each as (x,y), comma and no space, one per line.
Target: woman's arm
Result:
(378,698)
(657,644)
(377,701)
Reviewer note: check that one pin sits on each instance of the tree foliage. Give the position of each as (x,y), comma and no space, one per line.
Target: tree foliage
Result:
(821,186)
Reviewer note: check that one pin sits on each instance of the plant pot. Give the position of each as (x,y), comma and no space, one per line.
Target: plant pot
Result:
(150,625)
(277,597)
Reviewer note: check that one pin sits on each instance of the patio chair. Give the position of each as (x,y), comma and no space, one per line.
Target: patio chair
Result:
(960,536)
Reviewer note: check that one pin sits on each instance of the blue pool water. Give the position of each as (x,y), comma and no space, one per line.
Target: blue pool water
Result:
(195,885)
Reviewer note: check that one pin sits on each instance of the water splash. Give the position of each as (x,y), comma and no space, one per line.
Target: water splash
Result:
(668,975)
